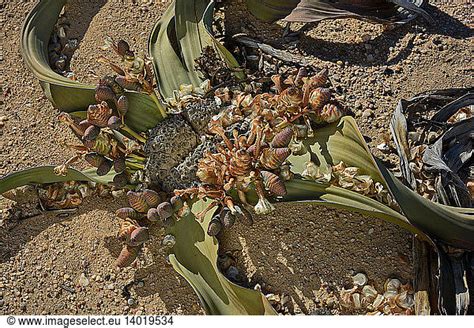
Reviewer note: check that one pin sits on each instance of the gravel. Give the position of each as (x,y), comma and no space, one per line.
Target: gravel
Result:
(371,69)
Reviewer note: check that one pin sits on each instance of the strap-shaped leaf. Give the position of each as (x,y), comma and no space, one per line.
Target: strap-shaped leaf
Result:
(271,10)
(398,11)
(336,197)
(194,256)
(162,47)
(225,54)
(191,34)
(45,174)
(343,141)
(177,41)
(65,94)
(444,223)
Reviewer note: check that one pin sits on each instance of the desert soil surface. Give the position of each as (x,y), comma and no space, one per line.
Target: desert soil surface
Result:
(44,257)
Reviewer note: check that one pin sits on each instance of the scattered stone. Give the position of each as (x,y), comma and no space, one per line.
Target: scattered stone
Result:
(383,147)
(118,193)
(365,37)
(83,281)
(359,279)
(360,91)
(367,113)
(233,273)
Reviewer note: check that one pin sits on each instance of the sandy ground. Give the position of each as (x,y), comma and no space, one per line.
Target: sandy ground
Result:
(303,247)
(43,257)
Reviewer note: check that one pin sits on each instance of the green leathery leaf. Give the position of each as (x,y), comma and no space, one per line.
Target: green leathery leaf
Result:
(461,210)
(65,94)
(271,10)
(177,41)
(335,197)
(225,54)
(37,29)
(194,256)
(454,226)
(340,141)
(45,174)
(142,113)
(395,11)
(191,34)
(169,70)
(305,11)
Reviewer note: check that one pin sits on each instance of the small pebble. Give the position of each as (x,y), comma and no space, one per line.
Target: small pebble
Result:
(383,147)
(83,281)
(359,279)
(233,273)
(365,37)
(367,113)
(117,193)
